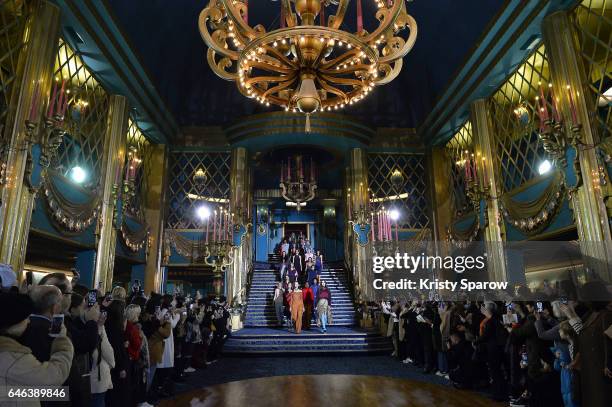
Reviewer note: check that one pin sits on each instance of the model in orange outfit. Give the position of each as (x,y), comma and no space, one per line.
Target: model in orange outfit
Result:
(297,307)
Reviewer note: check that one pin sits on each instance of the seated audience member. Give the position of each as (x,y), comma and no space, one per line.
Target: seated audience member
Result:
(47,301)
(18,366)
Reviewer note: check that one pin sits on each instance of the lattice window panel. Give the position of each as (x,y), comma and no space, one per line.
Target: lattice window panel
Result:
(414,209)
(456,150)
(138,144)
(519,150)
(185,192)
(13,15)
(85,117)
(593,22)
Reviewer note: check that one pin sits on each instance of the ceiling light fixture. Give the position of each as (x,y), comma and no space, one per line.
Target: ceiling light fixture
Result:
(305,66)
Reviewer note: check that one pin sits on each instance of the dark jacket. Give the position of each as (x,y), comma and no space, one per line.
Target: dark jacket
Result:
(36,337)
(527,333)
(85,339)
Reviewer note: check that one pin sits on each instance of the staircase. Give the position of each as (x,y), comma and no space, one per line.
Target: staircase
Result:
(260,309)
(262,335)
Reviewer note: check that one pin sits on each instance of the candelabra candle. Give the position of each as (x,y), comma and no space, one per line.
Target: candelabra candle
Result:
(282,171)
(52,101)
(58,107)
(372,227)
(289,169)
(396,232)
(572,106)
(544,108)
(474,173)
(207,222)
(553,102)
(321,14)
(466,163)
(311,171)
(379,226)
(215,226)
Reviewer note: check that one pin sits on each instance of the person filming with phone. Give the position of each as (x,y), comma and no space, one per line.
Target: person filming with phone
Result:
(18,366)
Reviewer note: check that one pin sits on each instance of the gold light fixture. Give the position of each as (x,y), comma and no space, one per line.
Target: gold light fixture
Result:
(303,66)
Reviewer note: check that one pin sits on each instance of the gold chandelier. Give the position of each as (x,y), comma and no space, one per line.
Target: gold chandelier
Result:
(303,66)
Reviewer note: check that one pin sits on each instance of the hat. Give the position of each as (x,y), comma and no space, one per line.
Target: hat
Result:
(7,276)
(17,308)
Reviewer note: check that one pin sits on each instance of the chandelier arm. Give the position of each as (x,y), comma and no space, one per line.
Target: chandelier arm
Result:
(290,17)
(335,21)
(408,44)
(234,13)
(219,67)
(390,73)
(342,81)
(331,89)
(387,18)
(260,79)
(281,86)
(215,15)
(348,69)
(270,68)
(279,56)
(339,59)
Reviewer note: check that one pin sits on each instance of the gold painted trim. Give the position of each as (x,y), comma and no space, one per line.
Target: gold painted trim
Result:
(554,233)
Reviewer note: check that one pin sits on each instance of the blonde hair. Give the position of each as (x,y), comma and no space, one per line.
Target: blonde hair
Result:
(119,293)
(132,312)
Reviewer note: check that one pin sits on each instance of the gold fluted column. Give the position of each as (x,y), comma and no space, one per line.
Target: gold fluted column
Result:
(441,191)
(239,207)
(35,68)
(358,184)
(154,216)
(484,148)
(567,69)
(114,156)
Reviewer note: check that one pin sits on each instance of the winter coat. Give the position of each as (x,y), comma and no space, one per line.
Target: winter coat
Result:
(19,367)
(103,361)
(168,353)
(156,342)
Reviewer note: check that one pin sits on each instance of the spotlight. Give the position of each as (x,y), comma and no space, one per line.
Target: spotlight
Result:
(394,214)
(203,212)
(78,174)
(544,167)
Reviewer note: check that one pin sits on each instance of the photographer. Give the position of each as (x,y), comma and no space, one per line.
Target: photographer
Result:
(47,301)
(18,366)
(82,325)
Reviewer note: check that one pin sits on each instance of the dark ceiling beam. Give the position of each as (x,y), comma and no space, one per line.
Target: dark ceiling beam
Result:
(89,28)
(500,51)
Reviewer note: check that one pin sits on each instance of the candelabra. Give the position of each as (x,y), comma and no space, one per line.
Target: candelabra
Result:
(299,191)
(52,137)
(556,140)
(219,255)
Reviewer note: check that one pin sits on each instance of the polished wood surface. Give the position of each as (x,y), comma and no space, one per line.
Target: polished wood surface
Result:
(329,390)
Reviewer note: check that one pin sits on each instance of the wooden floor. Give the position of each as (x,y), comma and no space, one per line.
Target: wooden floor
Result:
(329,390)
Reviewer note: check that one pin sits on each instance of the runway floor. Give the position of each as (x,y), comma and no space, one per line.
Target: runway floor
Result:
(335,390)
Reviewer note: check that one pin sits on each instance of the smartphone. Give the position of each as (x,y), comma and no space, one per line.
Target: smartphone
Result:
(56,325)
(108,298)
(563,300)
(539,306)
(157,308)
(509,306)
(103,313)
(29,278)
(92,298)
